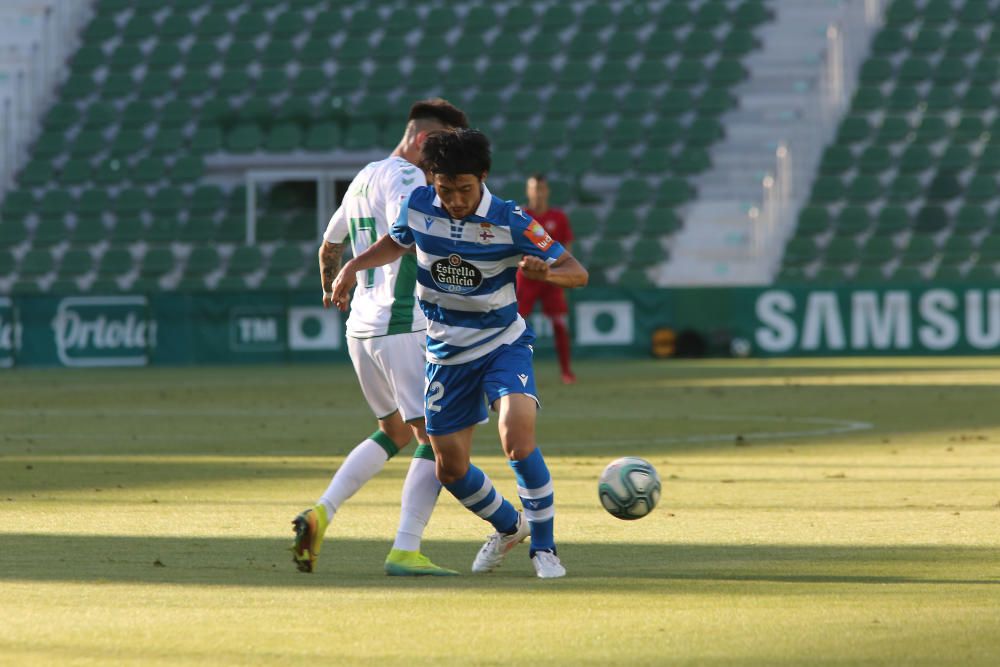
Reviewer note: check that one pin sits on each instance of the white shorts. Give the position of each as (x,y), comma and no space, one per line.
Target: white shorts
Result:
(391,372)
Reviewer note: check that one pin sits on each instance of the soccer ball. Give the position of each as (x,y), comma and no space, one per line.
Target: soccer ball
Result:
(629,488)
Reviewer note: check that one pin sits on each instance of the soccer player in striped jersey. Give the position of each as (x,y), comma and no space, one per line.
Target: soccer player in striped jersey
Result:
(386,341)
(469,247)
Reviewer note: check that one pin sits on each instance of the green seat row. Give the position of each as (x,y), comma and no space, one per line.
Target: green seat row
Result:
(928,129)
(364,20)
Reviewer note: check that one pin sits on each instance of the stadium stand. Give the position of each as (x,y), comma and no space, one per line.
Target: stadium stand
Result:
(117,194)
(907,191)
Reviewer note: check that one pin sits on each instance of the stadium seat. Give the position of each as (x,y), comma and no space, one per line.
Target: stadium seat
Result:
(853,220)
(75,262)
(829,275)
(148,171)
(840,251)
(957,249)
(17,205)
(647,254)
(361,135)
(88,231)
(245,259)
(12,232)
(150,94)
(905,188)
(50,144)
(971,219)
(908,275)
(35,263)
(868,275)
(202,261)
(605,254)
(49,231)
(36,173)
(892,220)
(7,263)
(287,259)
(26,285)
(167,141)
(175,26)
(245,138)
(56,203)
(155,263)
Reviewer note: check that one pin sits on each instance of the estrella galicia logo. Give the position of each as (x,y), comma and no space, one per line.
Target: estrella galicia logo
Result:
(453,274)
(10,333)
(104,331)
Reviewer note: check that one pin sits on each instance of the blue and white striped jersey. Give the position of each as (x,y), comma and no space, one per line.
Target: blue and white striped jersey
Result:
(466,271)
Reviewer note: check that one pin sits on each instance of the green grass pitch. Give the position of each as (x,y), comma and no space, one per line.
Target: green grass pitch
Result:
(816,512)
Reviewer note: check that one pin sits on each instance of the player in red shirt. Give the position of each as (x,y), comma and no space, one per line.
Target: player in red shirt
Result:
(529,291)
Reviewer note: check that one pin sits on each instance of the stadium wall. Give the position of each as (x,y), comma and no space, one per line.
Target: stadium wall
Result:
(283,327)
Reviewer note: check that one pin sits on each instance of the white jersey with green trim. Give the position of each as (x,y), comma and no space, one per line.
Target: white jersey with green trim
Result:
(384,301)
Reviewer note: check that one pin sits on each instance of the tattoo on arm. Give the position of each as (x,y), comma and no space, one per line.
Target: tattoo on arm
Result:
(329,263)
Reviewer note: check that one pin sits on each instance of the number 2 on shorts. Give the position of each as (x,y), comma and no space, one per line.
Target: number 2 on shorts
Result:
(435,392)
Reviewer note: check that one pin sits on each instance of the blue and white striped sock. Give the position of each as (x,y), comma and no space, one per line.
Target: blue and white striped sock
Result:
(534,486)
(476,492)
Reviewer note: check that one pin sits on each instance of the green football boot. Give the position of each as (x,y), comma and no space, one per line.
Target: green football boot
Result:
(310,527)
(401,563)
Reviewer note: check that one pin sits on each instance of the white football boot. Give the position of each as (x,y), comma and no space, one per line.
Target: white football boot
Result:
(498,545)
(547,565)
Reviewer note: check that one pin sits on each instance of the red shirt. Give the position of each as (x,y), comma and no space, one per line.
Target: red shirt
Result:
(555,223)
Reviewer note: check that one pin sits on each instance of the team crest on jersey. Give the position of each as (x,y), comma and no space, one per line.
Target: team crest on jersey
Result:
(485,234)
(537,235)
(453,274)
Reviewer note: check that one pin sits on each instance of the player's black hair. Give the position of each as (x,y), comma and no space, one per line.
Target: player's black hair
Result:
(439,109)
(454,152)
(538,176)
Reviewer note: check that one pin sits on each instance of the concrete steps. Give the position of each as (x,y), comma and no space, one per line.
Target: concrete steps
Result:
(785,102)
(36,41)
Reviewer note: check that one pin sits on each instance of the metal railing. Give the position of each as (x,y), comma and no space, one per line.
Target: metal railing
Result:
(777,190)
(784,188)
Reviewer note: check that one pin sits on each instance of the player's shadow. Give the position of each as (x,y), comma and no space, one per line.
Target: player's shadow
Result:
(358,563)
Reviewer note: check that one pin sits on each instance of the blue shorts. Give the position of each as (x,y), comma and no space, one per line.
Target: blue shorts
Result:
(458,396)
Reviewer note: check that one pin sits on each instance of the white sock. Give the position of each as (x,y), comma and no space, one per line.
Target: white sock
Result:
(361,465)
(420,494)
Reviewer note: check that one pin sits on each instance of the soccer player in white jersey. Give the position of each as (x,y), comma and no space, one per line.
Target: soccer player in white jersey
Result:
(469,247)
(386,341)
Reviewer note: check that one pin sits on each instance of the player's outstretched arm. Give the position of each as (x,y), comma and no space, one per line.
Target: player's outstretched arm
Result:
(564,272)
(382,252)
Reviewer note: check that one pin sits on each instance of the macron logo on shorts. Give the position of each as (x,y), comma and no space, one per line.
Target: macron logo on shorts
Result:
(523,378)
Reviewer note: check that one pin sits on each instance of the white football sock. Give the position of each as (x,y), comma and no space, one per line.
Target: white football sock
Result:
(361,465)
(420,494)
